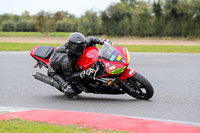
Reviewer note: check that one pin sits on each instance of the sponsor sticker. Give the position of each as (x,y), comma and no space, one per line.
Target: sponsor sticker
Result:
(119,57)
(131,71)
(112,67)
(112,58)
(115,53)
(107,64)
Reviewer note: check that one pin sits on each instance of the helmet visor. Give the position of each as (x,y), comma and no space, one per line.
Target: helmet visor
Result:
(77,47)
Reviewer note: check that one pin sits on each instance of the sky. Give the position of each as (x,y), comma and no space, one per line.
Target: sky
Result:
(76,7)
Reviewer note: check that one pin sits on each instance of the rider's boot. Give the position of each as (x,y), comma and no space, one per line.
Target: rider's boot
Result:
(65,86)
(68,90)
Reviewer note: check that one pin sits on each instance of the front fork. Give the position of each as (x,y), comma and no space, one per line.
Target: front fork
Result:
(128,73)
(120,82)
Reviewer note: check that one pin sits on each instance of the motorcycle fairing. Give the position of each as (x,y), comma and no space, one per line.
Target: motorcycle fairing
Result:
(124,52)
(115,59)
(114,67)
(87,58)
(118,59)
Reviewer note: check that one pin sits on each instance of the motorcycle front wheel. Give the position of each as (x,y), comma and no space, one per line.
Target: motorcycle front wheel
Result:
(140,87)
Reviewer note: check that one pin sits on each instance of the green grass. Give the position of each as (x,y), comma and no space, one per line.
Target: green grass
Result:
(3,112)
(163,48)
(20,126)
(33,34)
(10,46)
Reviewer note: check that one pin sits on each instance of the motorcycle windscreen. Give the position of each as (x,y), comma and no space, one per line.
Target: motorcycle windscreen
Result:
(111,54)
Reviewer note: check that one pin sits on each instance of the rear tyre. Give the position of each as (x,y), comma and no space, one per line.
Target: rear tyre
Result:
(141,88)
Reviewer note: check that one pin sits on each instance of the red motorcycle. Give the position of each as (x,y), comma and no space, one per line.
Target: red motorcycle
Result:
(111,76)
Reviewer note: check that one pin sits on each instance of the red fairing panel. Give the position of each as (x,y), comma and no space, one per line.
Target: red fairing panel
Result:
(122,51)
(87,59)
(32,53)
(129,72)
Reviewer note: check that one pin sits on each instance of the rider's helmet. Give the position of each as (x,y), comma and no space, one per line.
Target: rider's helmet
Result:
(76,44)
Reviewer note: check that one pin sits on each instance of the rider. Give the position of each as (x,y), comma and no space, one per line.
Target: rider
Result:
(62,62)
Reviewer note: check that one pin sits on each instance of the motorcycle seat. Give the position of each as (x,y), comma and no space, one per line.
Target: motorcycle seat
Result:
(44,52)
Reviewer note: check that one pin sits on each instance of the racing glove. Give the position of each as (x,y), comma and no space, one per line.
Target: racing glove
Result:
(99,41)
(93,40)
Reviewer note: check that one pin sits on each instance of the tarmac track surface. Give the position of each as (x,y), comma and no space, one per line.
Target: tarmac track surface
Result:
(175,77)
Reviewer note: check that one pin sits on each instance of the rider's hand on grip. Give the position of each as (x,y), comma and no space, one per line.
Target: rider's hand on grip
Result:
(108,41)
(99,41)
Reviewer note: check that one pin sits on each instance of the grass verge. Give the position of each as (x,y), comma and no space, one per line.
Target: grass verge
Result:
(21,126)
(33,34)
(163,48)
(10,46)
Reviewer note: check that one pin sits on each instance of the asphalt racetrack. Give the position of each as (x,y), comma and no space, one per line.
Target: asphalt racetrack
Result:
(175,78)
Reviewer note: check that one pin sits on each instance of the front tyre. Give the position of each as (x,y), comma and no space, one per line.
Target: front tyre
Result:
(140,87)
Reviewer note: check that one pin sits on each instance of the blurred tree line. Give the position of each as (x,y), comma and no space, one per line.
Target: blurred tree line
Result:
(174,18)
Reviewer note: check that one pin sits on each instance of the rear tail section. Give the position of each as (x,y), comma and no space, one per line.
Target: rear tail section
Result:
(42,54)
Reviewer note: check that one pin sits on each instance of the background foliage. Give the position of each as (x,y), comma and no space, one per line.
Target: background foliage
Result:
(174,18)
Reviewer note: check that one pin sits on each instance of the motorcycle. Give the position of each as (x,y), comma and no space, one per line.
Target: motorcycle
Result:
(111,75)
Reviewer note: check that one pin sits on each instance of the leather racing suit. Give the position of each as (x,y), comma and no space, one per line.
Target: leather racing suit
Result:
(62,66)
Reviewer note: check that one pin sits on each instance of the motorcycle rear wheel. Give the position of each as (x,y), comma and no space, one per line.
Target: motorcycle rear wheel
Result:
(141,88)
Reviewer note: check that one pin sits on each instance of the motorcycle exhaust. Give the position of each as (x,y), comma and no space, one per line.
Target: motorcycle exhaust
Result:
(46,79)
